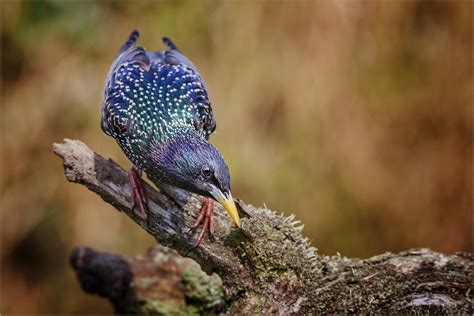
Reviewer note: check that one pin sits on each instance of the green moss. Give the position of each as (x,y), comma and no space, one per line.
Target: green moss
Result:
(201,290)
(167,308)
(261,239)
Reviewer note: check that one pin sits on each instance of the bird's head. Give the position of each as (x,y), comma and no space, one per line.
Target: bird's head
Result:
(193,164)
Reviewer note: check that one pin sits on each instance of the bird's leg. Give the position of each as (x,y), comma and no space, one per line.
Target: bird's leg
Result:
(206,214)
(138,195)
(211,219)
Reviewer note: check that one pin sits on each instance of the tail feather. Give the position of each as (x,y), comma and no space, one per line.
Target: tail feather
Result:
(170,44)
(132,40)
(128,53)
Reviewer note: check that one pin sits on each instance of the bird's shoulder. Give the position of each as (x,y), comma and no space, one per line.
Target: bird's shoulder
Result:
(147,92)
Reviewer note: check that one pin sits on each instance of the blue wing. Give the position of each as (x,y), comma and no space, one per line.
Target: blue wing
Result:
(146,91)
(114,108)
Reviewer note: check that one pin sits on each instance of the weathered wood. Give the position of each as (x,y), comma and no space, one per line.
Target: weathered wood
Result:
(267,265)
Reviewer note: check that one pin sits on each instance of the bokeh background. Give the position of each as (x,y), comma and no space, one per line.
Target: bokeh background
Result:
(355,116)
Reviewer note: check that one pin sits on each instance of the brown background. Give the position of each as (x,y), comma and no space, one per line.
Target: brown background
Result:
(355,116)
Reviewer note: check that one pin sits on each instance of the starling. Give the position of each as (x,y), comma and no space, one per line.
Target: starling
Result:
(157,109)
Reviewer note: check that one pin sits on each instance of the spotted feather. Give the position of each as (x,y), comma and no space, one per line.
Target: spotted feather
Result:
(149,92)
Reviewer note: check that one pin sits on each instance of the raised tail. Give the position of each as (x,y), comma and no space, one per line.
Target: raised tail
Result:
(170,44)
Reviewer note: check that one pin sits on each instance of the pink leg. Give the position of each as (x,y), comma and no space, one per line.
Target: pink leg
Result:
(206,214)
(138,195)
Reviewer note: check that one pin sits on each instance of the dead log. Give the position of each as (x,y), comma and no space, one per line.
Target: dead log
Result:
(267,266)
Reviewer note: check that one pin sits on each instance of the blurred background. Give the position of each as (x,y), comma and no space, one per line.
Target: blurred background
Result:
(355,116)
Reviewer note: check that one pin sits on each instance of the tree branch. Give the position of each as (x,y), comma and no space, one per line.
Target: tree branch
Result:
(267,266)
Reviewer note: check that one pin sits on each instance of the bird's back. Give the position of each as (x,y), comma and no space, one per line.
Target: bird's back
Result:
(152,96)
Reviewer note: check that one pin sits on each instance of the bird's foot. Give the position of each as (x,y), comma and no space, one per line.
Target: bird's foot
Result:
(206,220)
(138,195)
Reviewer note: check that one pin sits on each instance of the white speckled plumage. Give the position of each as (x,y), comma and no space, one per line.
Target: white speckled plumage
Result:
(152,96)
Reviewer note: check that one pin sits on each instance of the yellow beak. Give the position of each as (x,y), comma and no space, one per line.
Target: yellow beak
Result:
(229,205)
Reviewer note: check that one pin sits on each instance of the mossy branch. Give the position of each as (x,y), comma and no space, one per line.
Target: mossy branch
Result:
(266,266)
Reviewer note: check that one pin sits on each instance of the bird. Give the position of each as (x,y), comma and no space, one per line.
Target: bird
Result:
(156,107)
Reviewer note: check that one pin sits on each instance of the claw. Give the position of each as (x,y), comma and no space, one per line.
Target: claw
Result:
(206,214)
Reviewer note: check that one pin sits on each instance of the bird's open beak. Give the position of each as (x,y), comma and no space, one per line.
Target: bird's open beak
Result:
(228,203)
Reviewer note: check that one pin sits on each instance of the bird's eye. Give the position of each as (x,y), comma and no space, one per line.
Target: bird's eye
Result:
(206,171)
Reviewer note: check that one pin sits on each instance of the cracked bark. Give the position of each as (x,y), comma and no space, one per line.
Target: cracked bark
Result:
(267,266)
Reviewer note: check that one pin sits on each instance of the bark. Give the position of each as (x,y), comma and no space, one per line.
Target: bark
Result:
(266,266)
